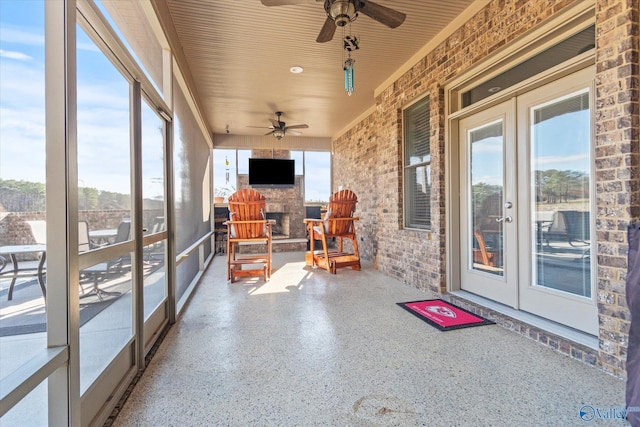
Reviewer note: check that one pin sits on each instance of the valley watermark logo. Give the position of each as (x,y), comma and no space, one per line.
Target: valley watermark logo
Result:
(589,413)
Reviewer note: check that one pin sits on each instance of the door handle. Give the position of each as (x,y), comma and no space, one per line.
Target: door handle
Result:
(507,218)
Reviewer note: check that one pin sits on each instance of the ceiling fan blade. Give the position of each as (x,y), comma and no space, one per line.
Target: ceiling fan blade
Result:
(286,2)
(389,17)
(275,123)
(293,132)
(327,31)
(297,127)
(268,133)
(261,127)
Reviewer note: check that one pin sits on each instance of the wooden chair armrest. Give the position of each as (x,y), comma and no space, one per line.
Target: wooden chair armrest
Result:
(316,220)
(255,221)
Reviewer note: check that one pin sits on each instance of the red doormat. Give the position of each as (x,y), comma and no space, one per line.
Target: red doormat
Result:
(442,315)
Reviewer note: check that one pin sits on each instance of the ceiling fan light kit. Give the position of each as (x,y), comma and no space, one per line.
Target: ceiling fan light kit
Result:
(278,134)
(343,12)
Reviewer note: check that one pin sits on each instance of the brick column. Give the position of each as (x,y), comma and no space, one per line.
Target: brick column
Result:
(617,167)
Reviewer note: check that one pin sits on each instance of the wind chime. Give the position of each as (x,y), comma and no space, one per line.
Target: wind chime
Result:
(349,44)
(226,172)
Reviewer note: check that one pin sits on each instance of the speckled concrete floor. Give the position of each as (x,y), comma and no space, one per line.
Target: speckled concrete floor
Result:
(313,349)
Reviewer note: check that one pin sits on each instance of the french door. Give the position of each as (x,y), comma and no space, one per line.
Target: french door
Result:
(526,202)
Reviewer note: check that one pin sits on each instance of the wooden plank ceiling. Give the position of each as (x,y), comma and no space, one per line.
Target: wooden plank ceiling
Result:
(240,52)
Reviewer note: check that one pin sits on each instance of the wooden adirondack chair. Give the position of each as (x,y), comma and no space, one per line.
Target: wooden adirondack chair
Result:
(247,224)
(338,223)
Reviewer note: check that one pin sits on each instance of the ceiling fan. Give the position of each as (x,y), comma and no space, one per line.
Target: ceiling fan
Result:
(342,12)
(280,128)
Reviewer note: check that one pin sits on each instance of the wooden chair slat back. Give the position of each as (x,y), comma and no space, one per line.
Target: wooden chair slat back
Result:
(341,205)
(248,205)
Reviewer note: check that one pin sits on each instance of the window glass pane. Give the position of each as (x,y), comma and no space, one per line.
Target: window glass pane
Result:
(22,195)
(561,208)
(243,161)
(104,198)
(566,49)
(417,173)
(224,174)
(317,176)
(418,207)
(417,131)
(298,157)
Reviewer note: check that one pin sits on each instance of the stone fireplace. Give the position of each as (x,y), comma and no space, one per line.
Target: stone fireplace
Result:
(280,229)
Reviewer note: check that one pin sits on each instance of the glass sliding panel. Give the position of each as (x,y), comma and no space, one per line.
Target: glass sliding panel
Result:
(22,195)
(104,192)
(486,196)
(192,163)
(153,205)
(131,24)
(32,410)
(155,289)
(561,205)
(105,315)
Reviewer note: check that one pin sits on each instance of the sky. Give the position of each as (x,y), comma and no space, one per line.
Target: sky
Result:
(103,114)
(103,120)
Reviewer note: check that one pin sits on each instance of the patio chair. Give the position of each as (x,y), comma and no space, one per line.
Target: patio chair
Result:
(247,225)
(338,223)
(482,253)
(101,272)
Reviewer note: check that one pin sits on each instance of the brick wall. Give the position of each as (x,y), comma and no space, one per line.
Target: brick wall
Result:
(369,156)
(617,167)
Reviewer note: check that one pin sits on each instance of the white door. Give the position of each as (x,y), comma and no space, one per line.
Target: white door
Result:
(526,207)
(488,224)
(557,262)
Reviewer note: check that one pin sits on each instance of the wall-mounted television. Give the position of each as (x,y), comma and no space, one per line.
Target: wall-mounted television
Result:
(271,172)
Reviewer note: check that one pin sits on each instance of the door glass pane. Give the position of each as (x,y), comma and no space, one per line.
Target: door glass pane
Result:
(560,175)
(153,206)
(104,200)
(486,189)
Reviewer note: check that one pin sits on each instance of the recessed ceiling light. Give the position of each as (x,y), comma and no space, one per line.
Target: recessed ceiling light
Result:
(296,69)
(494,89)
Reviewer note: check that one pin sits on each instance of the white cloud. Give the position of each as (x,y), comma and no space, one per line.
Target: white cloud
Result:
(19,35)
(545,160)
(15,55)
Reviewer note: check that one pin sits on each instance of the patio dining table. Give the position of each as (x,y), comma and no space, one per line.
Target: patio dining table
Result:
(12,251)
(103,236)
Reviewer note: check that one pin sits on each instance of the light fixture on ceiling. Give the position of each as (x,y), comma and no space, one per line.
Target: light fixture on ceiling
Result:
(278,134)
(296,69)
(342,12)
